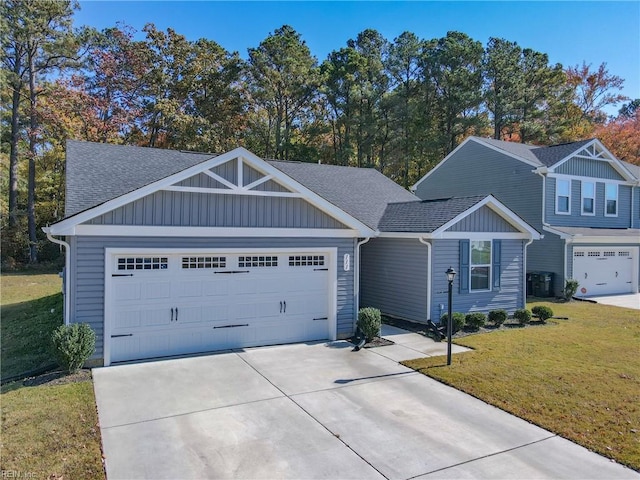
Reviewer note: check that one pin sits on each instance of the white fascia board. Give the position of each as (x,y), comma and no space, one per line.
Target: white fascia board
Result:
(612,160)
(609,240)
(426,236)
(485,235)
(568,176)
(70,224)
(500,209)
(172,231)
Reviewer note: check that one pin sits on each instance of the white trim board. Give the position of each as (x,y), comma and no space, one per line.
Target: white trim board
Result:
(154,231)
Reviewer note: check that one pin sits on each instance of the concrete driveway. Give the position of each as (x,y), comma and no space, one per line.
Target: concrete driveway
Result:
(630,300)
(317,411)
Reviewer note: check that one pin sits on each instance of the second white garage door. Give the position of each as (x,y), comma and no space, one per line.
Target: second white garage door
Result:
(172,304)
(605,270)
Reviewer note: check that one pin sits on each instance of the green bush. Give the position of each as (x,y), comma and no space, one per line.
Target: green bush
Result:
(570,288)
(73,345)
(542,312)
(498,317)
(522,315)
(458,320)
(475,320)
(369,321)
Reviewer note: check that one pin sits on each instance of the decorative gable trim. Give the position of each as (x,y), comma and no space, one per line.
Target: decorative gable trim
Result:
(595,150)
(243,157)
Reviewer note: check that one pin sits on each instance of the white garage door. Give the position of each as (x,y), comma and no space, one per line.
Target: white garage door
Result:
(605,270)
(174,304)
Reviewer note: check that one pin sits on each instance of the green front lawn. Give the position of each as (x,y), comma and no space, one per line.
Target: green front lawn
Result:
(48,431)
(579,378)
(31,308)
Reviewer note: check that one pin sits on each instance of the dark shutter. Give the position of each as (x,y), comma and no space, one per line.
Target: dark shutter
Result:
(496,252)
(464,266)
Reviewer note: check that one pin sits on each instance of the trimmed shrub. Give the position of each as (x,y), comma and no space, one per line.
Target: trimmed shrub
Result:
(498,317)
(458,320)
(475,320)
(369,321)
(522,315)
(73,345)
(570,288)
(542,312)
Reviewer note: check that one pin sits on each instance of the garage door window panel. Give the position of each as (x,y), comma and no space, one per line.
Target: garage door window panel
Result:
(142,263)
(257,261)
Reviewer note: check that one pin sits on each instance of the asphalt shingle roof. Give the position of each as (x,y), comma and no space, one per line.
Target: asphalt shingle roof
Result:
(424,216)
(551,155)
(99,172)
(543,156)
(363,193)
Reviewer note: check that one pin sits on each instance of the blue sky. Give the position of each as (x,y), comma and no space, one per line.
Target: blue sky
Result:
(569,32)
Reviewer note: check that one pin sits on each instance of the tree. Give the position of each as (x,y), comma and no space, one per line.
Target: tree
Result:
(284,81)
(404,68)
(502,83)
(40,40)
(594,90)
(455,69)
(621,135)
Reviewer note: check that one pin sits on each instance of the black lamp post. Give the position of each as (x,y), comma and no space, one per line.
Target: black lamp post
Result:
(451,274)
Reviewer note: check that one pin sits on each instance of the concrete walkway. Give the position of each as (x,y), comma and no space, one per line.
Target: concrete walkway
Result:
(318,410)
(630,300)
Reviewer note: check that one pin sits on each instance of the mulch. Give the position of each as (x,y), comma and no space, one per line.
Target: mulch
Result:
(57,378)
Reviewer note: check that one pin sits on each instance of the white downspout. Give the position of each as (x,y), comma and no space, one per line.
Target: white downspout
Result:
(429,272)
(524,273)
(356,280)
(67,273)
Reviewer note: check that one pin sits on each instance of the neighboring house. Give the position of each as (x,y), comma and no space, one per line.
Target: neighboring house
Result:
(171,252)
(584,200)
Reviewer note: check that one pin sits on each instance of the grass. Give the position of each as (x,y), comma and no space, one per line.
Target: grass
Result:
(49,430)
(31,308)
(579,378)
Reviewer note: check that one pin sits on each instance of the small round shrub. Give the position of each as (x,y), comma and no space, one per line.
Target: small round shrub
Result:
(475,320)
(458,320)
(498,317)
(369,321)
(570,289)
(73,345)
(522,315)
(542,312)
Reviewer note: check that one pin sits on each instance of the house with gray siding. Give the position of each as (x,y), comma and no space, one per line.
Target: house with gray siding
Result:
(583,199)
(172,252)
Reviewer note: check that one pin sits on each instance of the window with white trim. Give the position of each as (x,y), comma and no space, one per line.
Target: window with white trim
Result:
(480,265)
(588,198)
(563,196)
(610,200)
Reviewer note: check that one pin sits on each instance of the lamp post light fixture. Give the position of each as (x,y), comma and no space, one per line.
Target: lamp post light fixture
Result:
(451,274)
